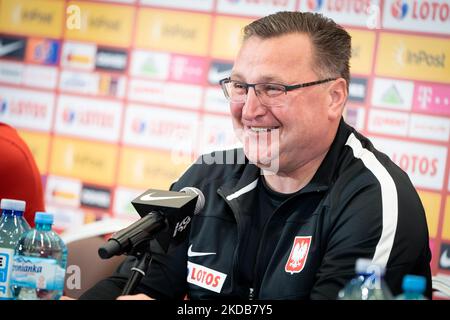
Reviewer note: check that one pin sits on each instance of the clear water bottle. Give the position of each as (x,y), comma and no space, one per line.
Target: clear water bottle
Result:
(12,226)
(40,260)
(413,288)
(368,283)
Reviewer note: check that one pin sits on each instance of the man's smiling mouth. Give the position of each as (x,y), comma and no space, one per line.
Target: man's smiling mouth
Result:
(262,129)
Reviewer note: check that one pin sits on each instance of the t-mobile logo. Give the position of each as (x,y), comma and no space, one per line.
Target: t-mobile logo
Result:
(424,96)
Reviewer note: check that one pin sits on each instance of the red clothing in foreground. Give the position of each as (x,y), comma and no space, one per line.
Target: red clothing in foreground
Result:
(19,175)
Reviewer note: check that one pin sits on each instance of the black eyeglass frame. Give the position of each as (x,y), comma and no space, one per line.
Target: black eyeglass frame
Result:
(286,88)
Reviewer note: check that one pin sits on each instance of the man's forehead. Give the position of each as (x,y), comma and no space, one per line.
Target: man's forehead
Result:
(286,43)
(272,59)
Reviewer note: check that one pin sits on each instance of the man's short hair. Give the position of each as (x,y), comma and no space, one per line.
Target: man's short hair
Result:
(331,43)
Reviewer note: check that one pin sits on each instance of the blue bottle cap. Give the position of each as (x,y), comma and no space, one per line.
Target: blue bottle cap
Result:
(11,204)
(43,217)
(412,283)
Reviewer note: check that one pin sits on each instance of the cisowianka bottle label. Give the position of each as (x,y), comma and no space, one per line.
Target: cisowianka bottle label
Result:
(40,273)
(6,256)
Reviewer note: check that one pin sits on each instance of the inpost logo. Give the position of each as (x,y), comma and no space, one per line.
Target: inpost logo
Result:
(36,15)
(315,5)
(413,57)
(421,57)
(410,54)
(399,9)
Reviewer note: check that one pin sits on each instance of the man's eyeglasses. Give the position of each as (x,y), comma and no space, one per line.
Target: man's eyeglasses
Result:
(269,94)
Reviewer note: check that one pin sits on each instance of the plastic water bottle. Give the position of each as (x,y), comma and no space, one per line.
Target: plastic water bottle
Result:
(40,260)
(353,289)
(413,288)
(368,283)
(12,226)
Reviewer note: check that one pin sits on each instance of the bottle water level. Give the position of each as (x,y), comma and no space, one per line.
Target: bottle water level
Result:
(12,226)
(39,262)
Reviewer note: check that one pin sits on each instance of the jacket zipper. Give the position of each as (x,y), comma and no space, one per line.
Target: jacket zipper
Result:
(236,251)
(255,268)
(251,294)
(256,278)
(239,232)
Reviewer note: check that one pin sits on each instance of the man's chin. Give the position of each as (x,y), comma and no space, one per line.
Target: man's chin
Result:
(268,164)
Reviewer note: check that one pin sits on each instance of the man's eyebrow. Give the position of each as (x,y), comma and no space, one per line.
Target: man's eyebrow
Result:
(263,79)
(271,78)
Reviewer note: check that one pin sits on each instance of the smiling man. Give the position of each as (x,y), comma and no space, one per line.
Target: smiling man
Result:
(295,229)
(304,116)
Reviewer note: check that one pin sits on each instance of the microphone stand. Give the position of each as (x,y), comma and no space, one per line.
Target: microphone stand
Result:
(138,271)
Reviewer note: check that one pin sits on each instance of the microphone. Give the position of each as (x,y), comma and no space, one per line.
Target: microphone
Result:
(165,217)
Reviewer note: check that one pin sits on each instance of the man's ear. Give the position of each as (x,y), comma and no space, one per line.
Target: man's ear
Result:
(338,96)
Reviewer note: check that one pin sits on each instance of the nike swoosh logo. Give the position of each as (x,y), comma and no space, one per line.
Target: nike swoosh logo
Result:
(148,197)
(11,47)
(445,260)
(198,254)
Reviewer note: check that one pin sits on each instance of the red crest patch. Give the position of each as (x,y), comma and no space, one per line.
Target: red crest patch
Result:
(299,253)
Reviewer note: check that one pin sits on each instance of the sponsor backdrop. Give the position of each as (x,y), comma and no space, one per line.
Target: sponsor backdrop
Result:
(114,97)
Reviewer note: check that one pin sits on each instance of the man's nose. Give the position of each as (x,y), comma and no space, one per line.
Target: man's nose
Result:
(252,106)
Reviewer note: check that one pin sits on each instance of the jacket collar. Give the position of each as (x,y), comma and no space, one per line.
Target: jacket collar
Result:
(327,171)
(246,182)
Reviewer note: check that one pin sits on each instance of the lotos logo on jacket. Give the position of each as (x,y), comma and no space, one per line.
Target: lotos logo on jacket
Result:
(299,253)
(399,9)
(206,278)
